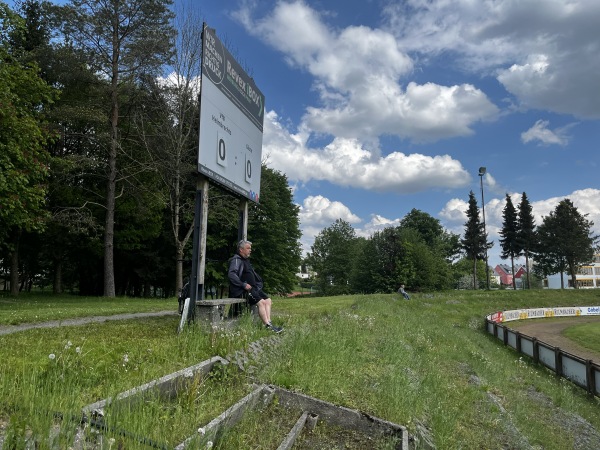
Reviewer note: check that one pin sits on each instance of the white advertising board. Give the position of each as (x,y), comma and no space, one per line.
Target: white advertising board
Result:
(231,121)
(539,313)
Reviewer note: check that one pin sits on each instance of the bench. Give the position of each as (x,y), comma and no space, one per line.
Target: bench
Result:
(212,312)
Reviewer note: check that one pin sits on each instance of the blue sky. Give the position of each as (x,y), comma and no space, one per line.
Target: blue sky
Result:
(376,107)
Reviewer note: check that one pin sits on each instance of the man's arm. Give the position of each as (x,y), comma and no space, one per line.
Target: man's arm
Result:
(234,272)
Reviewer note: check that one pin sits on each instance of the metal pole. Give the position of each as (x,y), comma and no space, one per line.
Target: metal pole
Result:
(487,268)
(189,308)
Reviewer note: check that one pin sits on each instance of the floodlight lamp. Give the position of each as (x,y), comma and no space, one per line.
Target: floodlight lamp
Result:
(482,171)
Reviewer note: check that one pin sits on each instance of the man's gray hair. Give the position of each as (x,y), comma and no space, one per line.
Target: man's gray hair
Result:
(242,243)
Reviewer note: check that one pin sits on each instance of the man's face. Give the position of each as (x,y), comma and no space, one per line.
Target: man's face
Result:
(245,251)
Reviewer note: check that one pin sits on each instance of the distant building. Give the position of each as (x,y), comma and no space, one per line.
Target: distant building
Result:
(504,272)
(588,277)
(305,272)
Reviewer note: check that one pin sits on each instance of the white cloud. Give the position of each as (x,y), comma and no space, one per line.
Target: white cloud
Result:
(544,51)
(453,215)
(346,162)
(540,132)
(317,213)
(318,210)
(357,72)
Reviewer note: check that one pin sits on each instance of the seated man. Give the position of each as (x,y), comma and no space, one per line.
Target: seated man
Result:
(244,281)
(402,292)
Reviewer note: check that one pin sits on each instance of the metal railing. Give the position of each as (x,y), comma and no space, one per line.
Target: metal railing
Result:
(582,372)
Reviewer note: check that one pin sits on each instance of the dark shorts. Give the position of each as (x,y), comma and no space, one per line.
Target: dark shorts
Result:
(256,295)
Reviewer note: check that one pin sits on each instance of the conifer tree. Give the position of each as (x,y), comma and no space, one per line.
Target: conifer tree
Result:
(508,233)
(526,233)
(474,242)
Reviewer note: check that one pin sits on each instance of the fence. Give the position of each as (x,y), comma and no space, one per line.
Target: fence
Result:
(582,372)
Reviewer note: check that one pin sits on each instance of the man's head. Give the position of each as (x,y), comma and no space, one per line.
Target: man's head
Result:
(244,248)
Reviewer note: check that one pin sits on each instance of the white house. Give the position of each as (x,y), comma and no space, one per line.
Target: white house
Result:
(588,277)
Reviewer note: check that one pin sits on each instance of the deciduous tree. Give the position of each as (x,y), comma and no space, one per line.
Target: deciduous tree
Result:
(23,135)
(332,256)
(566,239)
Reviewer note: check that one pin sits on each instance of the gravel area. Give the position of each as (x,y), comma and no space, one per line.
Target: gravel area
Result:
(550,331)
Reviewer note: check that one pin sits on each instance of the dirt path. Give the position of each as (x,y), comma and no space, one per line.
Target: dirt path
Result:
(9,329)
(550,331)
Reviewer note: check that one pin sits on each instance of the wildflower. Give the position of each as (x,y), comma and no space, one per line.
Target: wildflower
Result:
(209,444)
(52,356)
(78,349)
(68,346)
(125,358)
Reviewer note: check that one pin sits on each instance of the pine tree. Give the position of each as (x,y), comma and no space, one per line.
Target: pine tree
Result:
(474,241)
(508,233)
(526,234)
(124,40)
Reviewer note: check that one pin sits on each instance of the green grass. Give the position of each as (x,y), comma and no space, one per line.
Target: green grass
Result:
(424,363)
(587,335)
(35,308)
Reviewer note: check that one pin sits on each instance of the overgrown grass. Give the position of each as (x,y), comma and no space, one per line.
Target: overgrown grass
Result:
(41,307)
(425,363)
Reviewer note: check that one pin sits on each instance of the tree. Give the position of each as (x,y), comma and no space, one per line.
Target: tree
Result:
(508,233)
(431,231)
(24,160)
(526,234)
(474,243)
(566,240)
(124,40)
(332,256)
(174,110)
(274,226)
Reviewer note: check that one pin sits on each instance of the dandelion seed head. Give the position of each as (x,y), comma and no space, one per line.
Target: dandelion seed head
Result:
(52,356)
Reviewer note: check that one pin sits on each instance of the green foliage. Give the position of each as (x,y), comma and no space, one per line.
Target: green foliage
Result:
(509,234)
(565,241)
(474,243)
(526,234)
(23,158)
(462,272)
(274,229)
(333,254)
(431,232)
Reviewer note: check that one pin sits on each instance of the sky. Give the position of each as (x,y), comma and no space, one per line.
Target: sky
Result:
(376,107)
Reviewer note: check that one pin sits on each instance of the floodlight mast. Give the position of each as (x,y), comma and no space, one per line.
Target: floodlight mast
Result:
(482,172)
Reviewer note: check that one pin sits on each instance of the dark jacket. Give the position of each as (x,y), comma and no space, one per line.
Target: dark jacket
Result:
(241,273)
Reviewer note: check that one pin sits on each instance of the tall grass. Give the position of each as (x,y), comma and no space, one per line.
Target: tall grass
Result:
(427,364)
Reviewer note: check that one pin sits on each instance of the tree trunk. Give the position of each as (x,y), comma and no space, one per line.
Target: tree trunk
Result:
(512,263)
(527,268)
(57,285)
(14,269)
(573,271)
(109,225)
